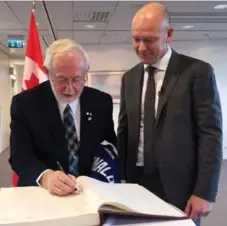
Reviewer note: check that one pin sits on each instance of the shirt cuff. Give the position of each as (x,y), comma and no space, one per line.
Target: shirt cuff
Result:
(38,179)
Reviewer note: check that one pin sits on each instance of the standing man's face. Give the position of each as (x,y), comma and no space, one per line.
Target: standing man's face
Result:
(150,38)
(68,75)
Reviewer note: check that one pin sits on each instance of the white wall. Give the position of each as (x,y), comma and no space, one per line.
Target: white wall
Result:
(5,100)
(111,57)
(122,57)
(18,70)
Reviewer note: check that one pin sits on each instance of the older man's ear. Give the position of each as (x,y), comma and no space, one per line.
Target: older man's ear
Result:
(87,69)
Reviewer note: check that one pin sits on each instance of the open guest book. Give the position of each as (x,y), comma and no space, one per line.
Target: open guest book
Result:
(37,207)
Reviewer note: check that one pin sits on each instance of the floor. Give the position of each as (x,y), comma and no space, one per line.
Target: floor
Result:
(217,218)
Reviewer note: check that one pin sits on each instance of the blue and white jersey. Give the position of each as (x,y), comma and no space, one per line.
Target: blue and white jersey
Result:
(105,165)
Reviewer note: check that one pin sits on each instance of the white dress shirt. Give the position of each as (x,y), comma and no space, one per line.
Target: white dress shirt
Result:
(159,74)
(75,110)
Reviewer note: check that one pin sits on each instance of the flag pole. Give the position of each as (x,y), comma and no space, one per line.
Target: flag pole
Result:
(33,6)
(33,66)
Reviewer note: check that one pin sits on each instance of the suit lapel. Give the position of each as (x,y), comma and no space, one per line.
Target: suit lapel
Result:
(170,79)
(137,92)
(83,117)
(86,128)
(52,115)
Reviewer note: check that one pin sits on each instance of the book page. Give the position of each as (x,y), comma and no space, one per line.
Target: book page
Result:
(130,197)
(86,185)
(32,204)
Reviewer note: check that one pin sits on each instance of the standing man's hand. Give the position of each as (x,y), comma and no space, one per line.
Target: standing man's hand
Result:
(197,207)
(58,183)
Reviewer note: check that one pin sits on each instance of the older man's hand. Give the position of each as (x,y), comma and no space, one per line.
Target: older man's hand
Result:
(198,207)
(58,183)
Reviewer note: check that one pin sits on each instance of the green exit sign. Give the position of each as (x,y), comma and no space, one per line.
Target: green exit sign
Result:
(15,43)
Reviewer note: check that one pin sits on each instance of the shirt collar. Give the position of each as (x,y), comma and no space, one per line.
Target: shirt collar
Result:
(73,105)
(162,64)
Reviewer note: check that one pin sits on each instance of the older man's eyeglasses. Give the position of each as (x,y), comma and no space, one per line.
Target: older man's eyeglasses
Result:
(66,81)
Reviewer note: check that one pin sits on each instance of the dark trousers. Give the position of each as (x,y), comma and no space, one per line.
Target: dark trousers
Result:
(153,183)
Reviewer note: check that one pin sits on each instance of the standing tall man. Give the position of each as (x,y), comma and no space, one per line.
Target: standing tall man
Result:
(170,120)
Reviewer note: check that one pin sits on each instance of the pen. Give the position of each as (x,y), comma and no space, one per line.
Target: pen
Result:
(60,167)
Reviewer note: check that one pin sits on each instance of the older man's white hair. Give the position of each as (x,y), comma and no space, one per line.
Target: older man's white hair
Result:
(64,45)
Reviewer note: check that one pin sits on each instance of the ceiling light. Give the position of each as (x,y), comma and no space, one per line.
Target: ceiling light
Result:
(224,6)
(188,26)
(90,26)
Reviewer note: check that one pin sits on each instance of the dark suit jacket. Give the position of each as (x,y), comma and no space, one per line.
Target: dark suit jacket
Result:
(37,135)
(188,132)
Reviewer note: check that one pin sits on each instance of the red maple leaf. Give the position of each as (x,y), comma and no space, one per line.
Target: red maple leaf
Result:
(33,81)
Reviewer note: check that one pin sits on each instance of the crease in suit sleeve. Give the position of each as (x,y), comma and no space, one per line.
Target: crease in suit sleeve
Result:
(208,121)
(22,156)
(122,131)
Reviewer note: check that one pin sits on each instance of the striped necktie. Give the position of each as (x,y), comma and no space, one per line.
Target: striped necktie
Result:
(72,139)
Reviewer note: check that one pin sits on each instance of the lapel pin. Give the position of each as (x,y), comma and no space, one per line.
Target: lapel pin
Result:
(89,114)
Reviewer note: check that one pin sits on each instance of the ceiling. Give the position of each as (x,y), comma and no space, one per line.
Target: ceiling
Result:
(108,22)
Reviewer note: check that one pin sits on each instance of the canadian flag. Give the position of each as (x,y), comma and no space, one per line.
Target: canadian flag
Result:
(34,72)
